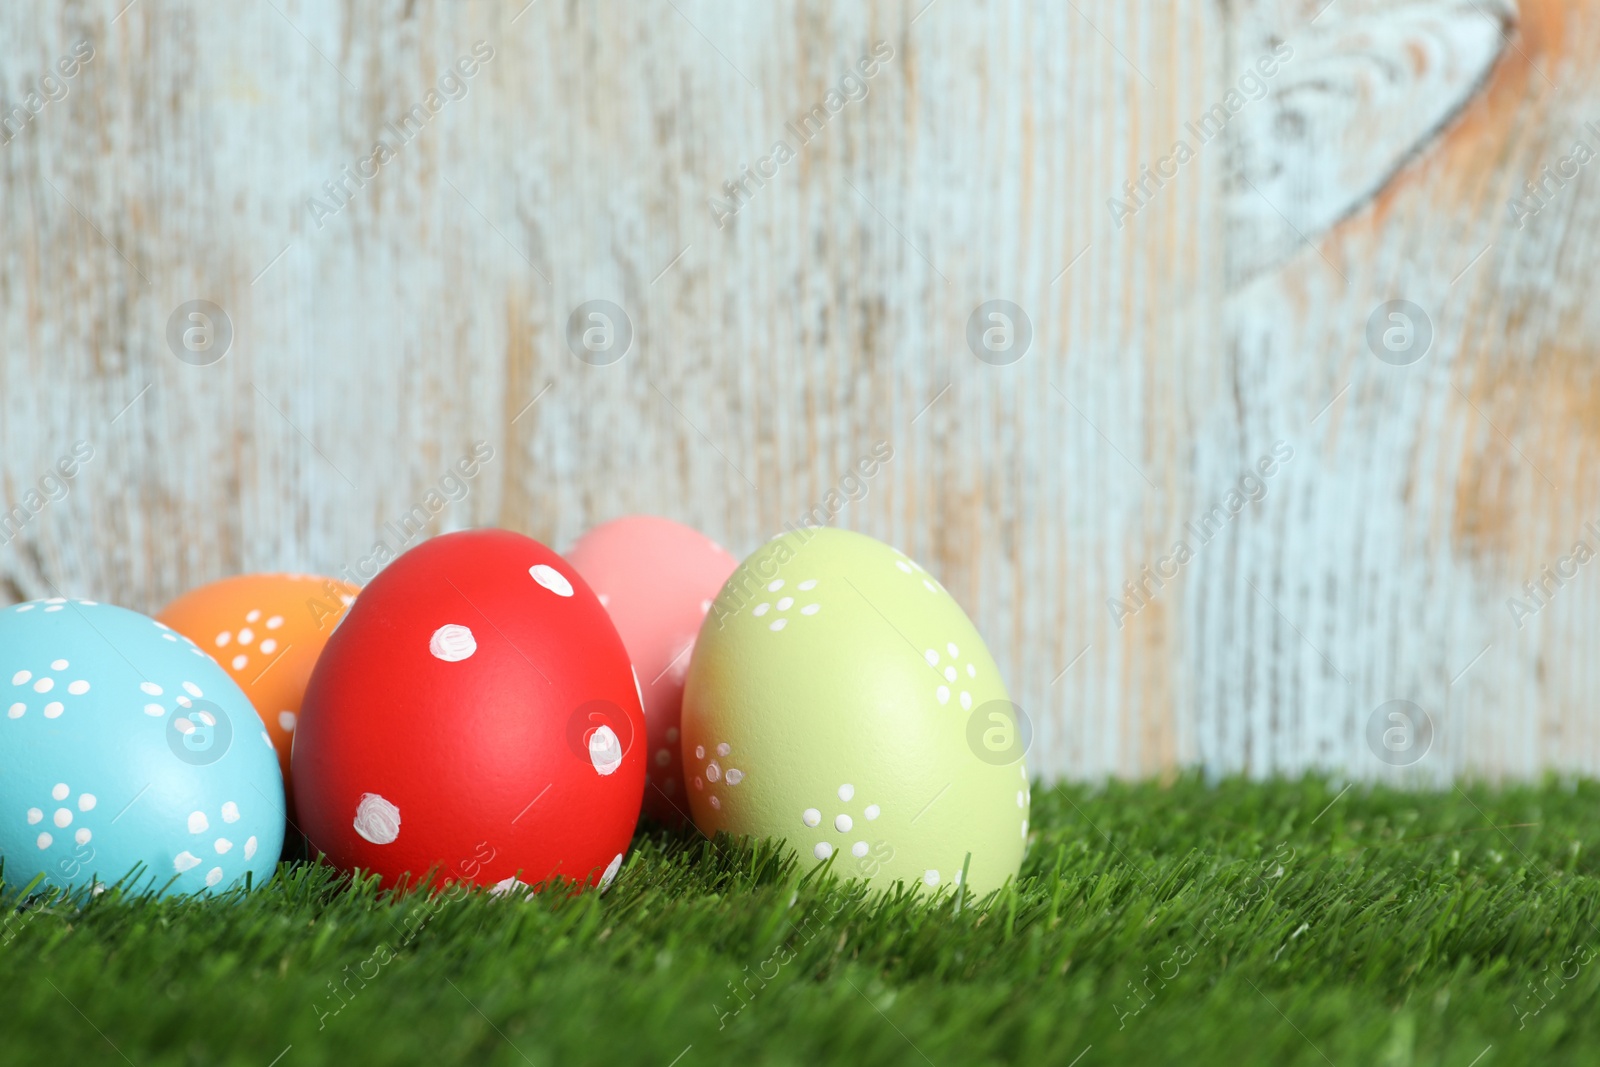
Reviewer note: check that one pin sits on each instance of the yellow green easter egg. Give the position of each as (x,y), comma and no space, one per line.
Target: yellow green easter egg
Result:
(840,699)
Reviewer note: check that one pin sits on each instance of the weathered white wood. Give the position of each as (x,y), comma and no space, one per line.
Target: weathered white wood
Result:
(1365,89)
(1426,495)
(1172,345)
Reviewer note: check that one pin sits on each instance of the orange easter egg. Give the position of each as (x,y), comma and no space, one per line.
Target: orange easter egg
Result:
(266,630)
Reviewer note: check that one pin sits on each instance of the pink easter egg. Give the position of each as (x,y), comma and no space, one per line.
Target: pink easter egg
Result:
(658,579)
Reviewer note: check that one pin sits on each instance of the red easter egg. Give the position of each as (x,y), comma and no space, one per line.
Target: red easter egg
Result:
(474,714)
(658,579)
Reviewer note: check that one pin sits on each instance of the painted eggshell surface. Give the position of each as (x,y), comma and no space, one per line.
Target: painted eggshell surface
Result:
(475,715)
(121,743)
(267,631)
(657,579)
(838,699)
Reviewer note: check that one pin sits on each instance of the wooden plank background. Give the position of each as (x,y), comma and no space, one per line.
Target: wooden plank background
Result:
(1180,328)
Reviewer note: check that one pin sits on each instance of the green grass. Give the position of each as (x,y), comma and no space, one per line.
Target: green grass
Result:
(1230,924)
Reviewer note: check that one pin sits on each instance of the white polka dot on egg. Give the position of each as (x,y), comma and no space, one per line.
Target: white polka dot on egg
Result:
(551,579)
(605,751)
(452,643)
(377,820)
(609,875)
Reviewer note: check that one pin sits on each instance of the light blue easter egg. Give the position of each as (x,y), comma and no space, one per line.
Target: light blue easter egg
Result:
(121,744)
